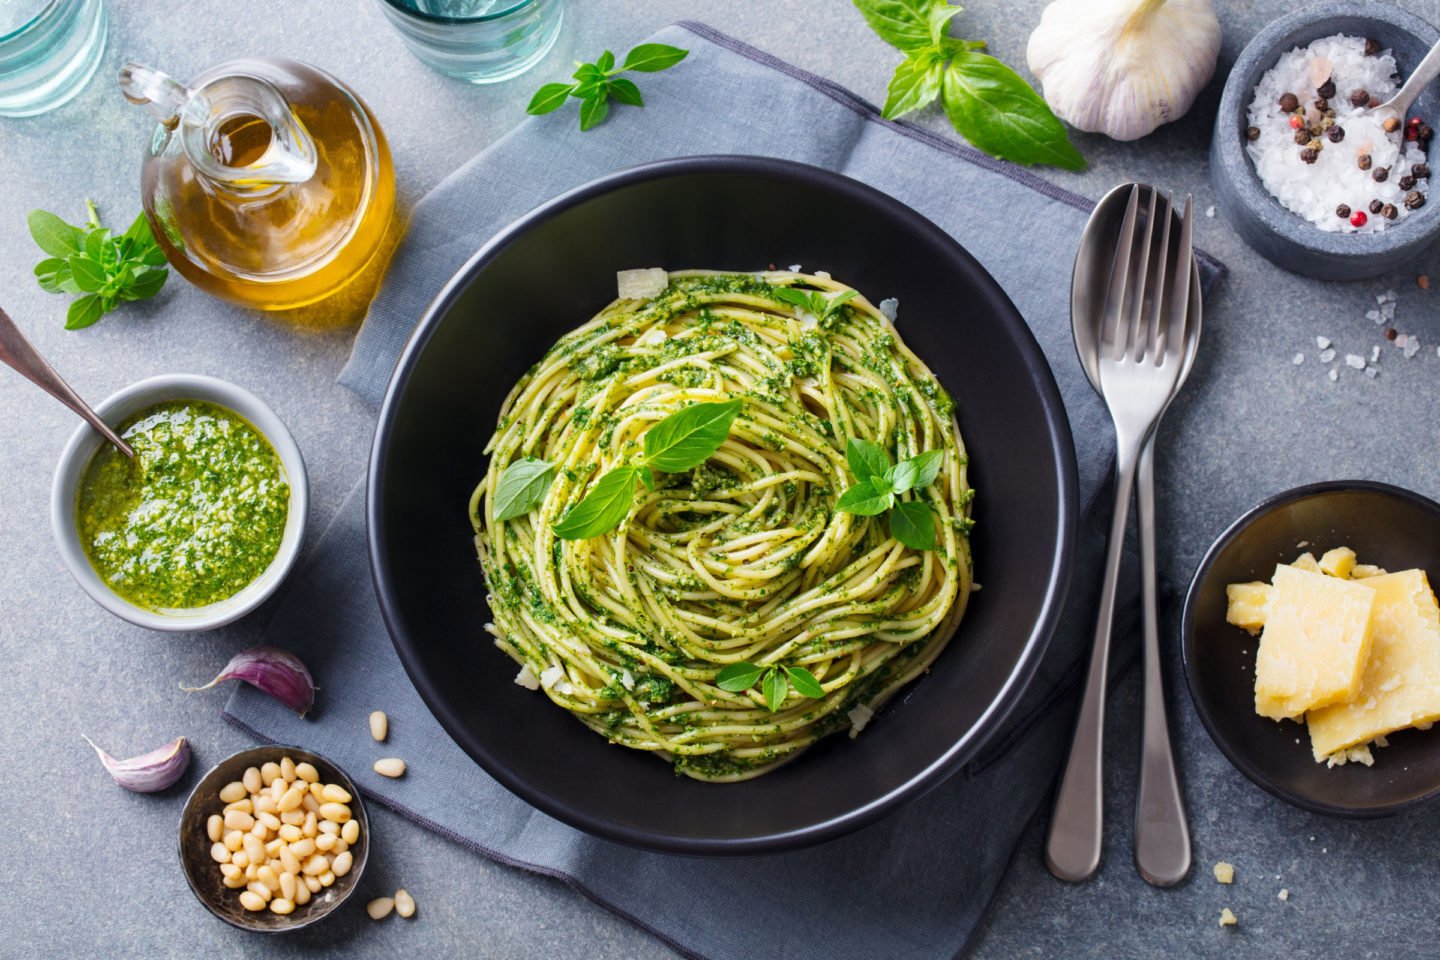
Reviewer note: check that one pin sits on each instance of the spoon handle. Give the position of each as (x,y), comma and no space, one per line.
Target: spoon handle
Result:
(1419,79)
(1162,836)
(16,351)
(1072,848)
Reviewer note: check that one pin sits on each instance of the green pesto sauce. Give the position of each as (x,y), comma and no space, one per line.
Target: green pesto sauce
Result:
(198,515)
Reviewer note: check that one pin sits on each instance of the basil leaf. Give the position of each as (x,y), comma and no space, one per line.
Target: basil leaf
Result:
(549,98)
(89,275)
(866,499)
(647,477)
(588,73)
(938,17)
(53,235)
(49,272)
(904,24)
(829,305)
(95,243)
(602,509)
(913,524)
(522,487)
(687,438)
(915,84)
(606,62)
(653,57)
(625,91)
(145,285)
(927,468)
(798,298)
(84,312)
(992,107)
(594,109)
(866,459)
(737,677)
(805,683)
(774,688)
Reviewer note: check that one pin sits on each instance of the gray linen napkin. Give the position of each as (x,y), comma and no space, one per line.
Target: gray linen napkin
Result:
(917,883)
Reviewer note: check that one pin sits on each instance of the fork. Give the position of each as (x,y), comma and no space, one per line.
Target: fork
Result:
(1141,351)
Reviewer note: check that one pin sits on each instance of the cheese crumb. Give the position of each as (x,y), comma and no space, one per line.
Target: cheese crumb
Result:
(1360,754)
(890,307)
(1284,894)
(1225,872)
(859,715)
(527,679)
(641,284)
(1227,918)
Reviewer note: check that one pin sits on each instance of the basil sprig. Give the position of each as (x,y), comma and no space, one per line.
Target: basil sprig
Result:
(775,682)
(912,522)
(595,83)
(987,103)
(104,270)
(522,487)
(817,302)
(680,442)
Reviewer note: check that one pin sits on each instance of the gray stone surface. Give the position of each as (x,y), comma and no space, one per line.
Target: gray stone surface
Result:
(90,871)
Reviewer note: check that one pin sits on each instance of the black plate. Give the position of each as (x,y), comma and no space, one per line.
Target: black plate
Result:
(554,269)
(1386,526)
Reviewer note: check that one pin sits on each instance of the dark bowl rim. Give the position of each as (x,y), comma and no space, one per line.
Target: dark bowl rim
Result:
(1238,759)
(353,876)
(1262,50)
(953,758)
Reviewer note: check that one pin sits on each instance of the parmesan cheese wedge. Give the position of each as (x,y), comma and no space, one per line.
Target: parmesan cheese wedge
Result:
(1316,639)
(1400,686)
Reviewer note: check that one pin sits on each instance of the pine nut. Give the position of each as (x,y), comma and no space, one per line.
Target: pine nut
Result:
(254,849)
(282,906)
(252,901)
(334,793)
(260,890)
(239,820)
(287,769)
(291,799)
(273,848)
(330,827)
(294,817)
(233,791)
(241,859)
(219,853)
(252,872)
(264,803)
(318,792)
(390,767)
(340,847)
(269,819)
(230,870)
(342,864)
(287,886)
(235,882)
(302,892)
(315,866)
(214,827)
(307,772)
(336,812)
(243,805)
(233,840)
(350,831)
(261,831)
(325,841)
(310,883)
(277,789)
(326,878)
(380,908)
(290,833)
(267,876)
(404,904)
(379,725)
(289,860)
(311,804)
(310,829)
(268,772)
(251,779)
(303,848)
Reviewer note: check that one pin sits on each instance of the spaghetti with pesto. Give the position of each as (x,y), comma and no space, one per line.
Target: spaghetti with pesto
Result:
(744,559)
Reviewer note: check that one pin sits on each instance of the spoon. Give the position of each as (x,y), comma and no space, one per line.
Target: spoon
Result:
(1162,850)
(16,351)
(1429,68)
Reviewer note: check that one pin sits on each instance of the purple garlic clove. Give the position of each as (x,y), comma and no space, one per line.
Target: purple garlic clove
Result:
(150,772)
(272,670)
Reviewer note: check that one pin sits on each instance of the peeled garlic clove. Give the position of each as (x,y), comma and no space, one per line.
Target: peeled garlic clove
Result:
(1123,67)
(150,772)
(277,672)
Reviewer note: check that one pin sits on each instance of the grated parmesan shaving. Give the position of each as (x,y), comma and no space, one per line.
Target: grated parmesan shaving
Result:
(527,679)
(859,715)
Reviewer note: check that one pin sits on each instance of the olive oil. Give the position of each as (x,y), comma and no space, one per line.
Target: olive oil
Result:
(268,182)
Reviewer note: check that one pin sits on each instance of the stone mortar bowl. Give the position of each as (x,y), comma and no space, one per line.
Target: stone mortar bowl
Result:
(1275,233)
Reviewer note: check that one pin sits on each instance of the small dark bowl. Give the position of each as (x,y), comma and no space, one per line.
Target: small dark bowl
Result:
(551,271)
(203,873)
(1386,526)
(1272,231)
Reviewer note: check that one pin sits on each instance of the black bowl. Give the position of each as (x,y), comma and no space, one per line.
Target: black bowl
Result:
(554,269)
(1384,525)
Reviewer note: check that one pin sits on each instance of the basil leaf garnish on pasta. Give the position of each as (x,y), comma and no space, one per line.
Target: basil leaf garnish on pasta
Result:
(910,522)
(865,499)
(522,486)
(775,689)
(738,677)
(913,524)
(866,459)
(687,438)
(805,683)
(603,508)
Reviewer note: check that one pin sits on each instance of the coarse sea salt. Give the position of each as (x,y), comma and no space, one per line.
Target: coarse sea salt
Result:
(1316,190)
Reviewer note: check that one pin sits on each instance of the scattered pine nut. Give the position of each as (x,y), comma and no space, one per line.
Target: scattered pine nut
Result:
(342,864)
(334,793)
(379,726)
(282,906)
(390,767)
(251,901)
(404,904)
(380,908)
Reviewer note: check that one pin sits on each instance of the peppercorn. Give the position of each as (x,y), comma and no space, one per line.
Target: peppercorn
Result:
(1373,102)
(1358,98)
(1424,132)
(1343,212)
(1372,47)
(1390,124)
(1423,282)
(1390,333)
(1414,200)
(1376,206)
(1336,134)
(1288,102)
(1411,134)
(1389,212)
(1296,122)
(1421,170)
(1380,174)
(1363,161)
(1302,136)
(1309,155)
(1414,121)
(1329,112)
(1252,133)
(1406,182)
(1327,123)
(1358,218)
(1322,104)
(1326,90)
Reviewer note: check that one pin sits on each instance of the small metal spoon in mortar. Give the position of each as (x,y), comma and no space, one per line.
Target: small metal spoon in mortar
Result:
(1398,105)
(16,351)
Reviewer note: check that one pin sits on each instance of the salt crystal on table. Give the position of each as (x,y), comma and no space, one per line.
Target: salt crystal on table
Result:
(1390,295)
(1298,359)
(1371,372)
(1209,211)
(1412,347)
(1374,315)
(1334,374)
(1375,354)
(1387,309)
(1327,355)
(1355,360)
(1401,340)
(1322,342)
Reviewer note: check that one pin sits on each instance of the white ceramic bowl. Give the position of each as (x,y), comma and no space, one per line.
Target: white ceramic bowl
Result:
(114,411)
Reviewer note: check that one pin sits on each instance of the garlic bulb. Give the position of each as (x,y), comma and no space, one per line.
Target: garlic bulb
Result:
(1123,67)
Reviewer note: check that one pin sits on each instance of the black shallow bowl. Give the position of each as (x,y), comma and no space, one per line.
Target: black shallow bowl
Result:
(1384,525)
(554,269)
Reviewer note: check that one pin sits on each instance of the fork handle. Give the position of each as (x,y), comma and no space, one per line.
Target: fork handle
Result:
(1162,837)
(1072,848)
